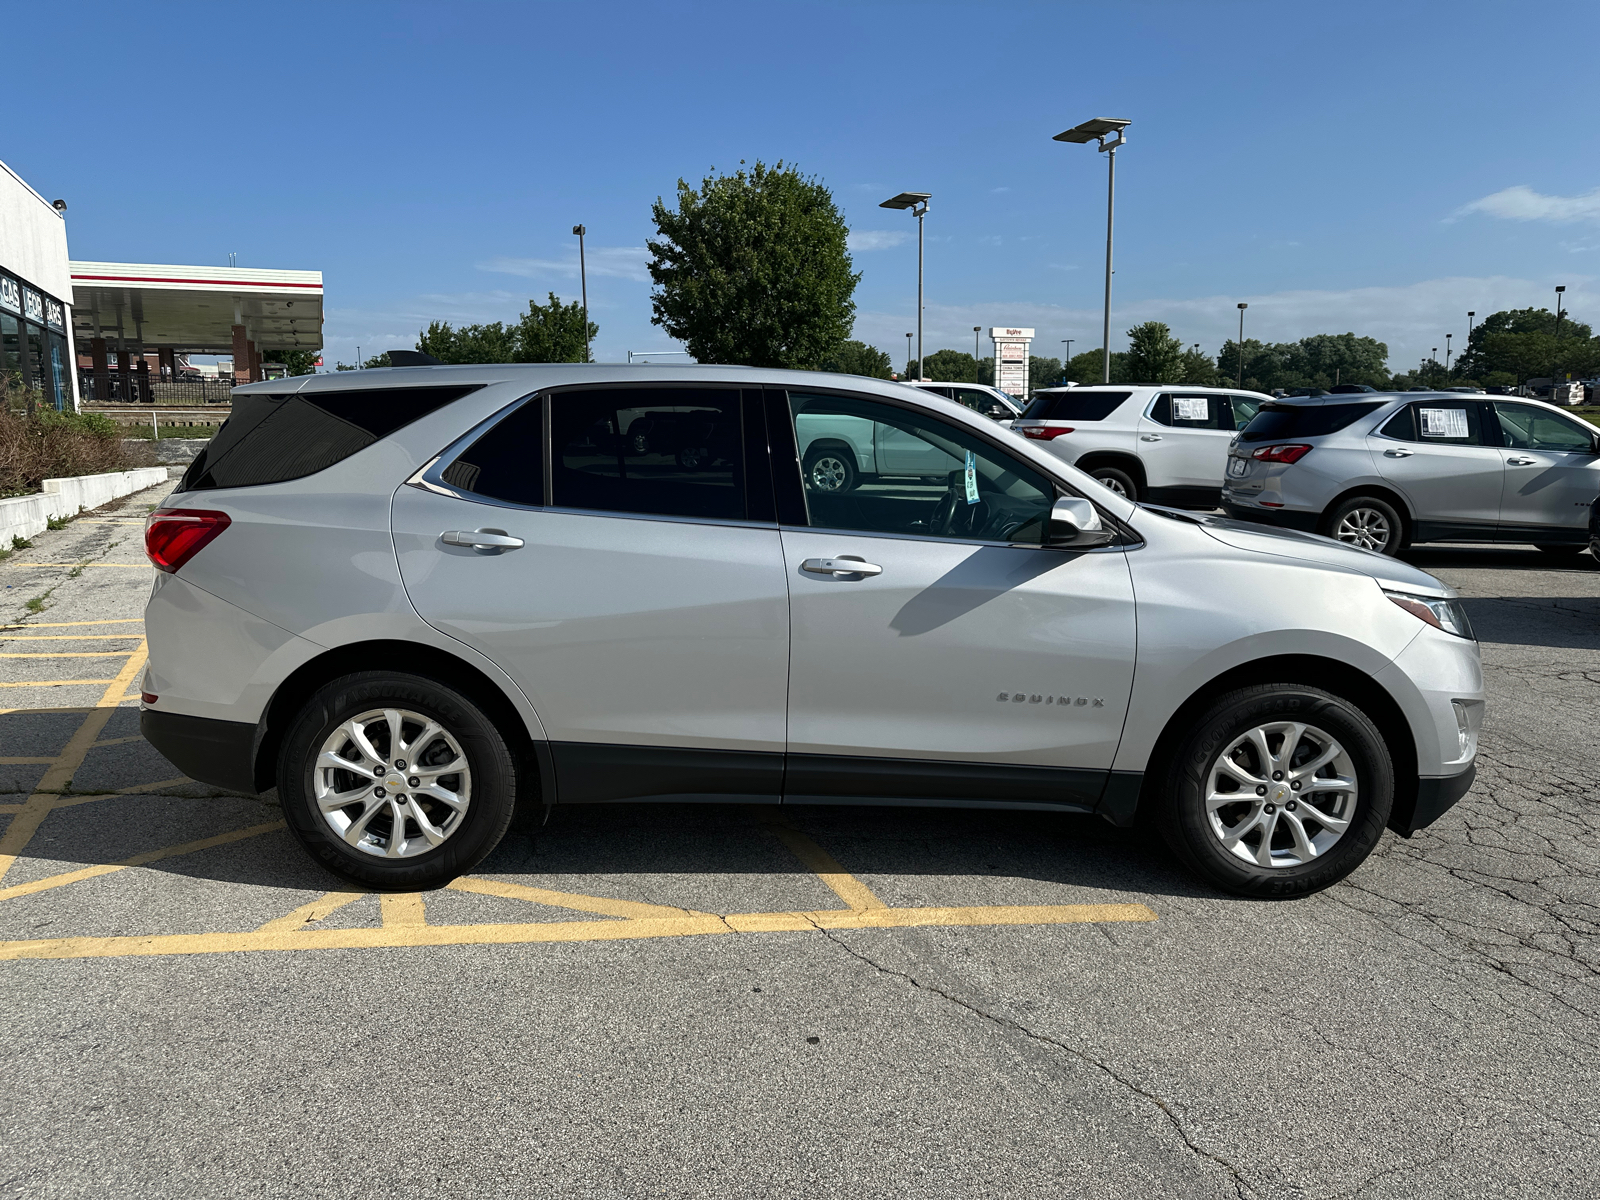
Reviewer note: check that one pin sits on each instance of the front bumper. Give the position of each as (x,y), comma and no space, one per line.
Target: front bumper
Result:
(1433,798)
(1284,518)
(221,753)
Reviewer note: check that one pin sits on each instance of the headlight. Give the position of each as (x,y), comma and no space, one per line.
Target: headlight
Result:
(1448,615)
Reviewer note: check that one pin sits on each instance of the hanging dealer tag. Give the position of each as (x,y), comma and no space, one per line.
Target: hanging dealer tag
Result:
(971,476)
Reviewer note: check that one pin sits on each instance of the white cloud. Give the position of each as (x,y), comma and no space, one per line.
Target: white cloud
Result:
(876,239)
(1522,203)
(1410,319)
(618,262)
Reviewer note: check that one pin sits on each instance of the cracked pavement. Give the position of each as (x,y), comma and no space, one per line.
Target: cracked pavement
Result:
(1426,1028)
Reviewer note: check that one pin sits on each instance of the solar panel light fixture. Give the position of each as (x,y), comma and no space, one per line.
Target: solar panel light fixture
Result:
(908,200)
(1096,130)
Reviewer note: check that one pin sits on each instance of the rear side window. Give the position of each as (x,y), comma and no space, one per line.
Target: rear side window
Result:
(1192,411)
(1436,421)
(674,452)
(507,462)
(1073,405)
(1276,422)
(272,438)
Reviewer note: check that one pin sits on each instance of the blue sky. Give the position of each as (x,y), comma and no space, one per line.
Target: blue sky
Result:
(1380,168)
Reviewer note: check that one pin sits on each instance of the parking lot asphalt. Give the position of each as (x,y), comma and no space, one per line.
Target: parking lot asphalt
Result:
(698,1001)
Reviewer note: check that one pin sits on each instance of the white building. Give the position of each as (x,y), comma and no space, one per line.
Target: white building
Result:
(35,294)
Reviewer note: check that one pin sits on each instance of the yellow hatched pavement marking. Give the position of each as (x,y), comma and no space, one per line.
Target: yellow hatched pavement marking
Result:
(402,910)
(317,910)
(119,685)
(822,864)
(631,910)
(71,637)
(24,762)
(131,566)
(51,683)
(51,882)
(26,823)
(65,653)
(77,624)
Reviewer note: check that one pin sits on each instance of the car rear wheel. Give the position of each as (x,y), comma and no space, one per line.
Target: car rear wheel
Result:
(830,471)
(1278,790)
(1368,522)
(1118,480)
(396,781)
(1562,549)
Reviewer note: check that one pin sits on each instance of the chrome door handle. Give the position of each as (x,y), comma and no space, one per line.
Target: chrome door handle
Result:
(1149,437)
(1398,453)
(1519,461)
(839,567)
(481,539)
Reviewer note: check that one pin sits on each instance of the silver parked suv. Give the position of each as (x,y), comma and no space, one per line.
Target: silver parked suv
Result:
(1383,471)
(413,599)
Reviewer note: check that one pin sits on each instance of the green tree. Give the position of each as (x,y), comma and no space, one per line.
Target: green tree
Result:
(553,332)
(298,362)
(1044,371)
(1154,355)
(753,269)
(492,343)
(1329,358)
(1523,343)
(1089,367)
(858,358)
(952,366)
(1199,370)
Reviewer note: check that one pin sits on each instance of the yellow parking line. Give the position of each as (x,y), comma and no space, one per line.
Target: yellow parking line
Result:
(50,882)
(75,624)
(135,566)
(66,654)
(409,935)
(71,637)
(317,910)
(402,910)
(823,865)
(119,685)
(51,683)
(631,909)
(119,741)
(24,762)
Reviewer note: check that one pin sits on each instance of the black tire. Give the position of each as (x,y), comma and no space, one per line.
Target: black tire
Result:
(1180,808)
(1562,549)
(831,470)
(1347,520)
(493,778)
(1118,480)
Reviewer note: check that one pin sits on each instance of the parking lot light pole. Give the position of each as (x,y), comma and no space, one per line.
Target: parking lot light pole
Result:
(1561,288)
(1098,130)
(908,356)
(1447,338)
(583,279)
(917,204)
(977,369)
(1242,307)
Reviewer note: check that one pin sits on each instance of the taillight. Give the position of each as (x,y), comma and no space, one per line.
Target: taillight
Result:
(1283,454)
(172,536)
(1043,433)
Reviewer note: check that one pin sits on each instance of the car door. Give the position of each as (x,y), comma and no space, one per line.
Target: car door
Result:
(963,662)
(1434,453)
(636,596)
(1552,474)
(1183,441)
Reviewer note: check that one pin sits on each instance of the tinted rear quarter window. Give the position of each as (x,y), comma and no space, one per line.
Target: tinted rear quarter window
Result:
(1278,421)
(507,462)
(275,437)
(1074,405)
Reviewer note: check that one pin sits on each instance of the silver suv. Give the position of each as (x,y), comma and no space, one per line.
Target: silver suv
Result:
(1165,444)
(413,599)
(1384,471)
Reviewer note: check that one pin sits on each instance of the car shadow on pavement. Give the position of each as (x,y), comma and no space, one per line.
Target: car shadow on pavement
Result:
(1556,622)
(1528,558)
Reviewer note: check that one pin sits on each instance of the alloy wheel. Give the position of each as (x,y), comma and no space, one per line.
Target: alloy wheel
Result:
(1367,528)
(392,783)
(1281,794)
(1112,483)
(828,473)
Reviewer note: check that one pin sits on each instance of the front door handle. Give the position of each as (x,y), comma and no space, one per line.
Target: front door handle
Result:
(481,539)
(1519,461)
(1398,453)
(1149,437)
(843,567)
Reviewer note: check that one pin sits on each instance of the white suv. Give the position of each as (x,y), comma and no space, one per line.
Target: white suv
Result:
(1164,444)
(412,599)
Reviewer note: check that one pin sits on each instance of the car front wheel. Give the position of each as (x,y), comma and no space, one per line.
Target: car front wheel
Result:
(1278,790)
(396,781)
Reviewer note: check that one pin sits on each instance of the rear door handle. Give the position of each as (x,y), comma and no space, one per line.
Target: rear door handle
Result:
(843,566)
(1149,437)
(481,539)
(1519,461)
(1398,453)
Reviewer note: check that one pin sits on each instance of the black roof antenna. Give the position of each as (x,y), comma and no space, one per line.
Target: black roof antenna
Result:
(412,358)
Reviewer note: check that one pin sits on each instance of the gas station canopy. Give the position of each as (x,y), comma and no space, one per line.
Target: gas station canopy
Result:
(196,310)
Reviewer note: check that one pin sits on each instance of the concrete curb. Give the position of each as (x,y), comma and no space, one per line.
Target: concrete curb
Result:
(24,516)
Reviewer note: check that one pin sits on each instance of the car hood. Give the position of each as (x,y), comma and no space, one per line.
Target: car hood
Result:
(1309,547)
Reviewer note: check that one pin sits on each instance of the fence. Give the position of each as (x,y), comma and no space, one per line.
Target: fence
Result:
(138,388)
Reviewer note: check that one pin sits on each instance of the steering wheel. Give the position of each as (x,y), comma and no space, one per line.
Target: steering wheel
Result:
(954,517)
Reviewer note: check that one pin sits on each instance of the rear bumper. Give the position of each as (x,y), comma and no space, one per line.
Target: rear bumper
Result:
(1435,797)
(221,753)
(1284,518)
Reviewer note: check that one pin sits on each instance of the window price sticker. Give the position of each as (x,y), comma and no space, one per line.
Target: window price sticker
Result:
(1189,408)
(1444,422)
(971,477)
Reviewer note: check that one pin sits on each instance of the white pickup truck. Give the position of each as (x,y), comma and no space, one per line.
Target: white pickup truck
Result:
(840,452)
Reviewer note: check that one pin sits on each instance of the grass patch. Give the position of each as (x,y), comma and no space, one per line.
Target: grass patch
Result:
(36,605)
(21,543)
(77,570)
(56,522)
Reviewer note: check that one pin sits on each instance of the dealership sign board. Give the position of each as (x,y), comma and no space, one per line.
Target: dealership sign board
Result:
(1011,360)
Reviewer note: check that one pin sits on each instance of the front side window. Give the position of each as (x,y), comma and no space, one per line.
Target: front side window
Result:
(872,467)
(1528,427)
(673,452)
(1190,410)
(983,403)
(1436,422)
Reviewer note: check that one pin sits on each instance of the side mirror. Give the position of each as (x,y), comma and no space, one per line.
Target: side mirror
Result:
(999,412)
(1075,522)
